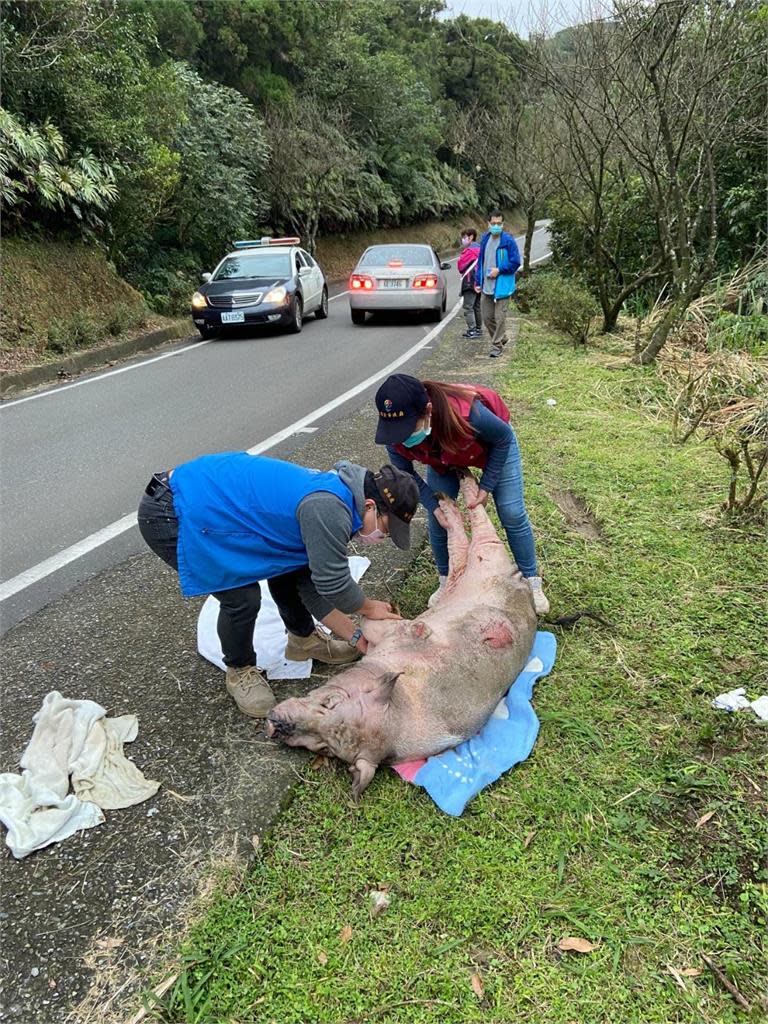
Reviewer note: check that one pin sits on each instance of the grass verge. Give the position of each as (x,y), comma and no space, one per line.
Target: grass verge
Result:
(638,823)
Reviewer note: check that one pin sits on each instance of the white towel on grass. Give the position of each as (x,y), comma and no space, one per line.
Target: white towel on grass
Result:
(73,743)
(269,634)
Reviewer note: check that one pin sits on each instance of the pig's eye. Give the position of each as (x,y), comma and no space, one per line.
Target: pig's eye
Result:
(330,700)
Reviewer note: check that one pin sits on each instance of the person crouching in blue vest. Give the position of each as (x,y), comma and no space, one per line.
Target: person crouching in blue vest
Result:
(224,522)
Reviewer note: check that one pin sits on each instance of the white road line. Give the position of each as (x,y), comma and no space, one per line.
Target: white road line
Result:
(58,561)
(338,295)
(83,547)
(102,376)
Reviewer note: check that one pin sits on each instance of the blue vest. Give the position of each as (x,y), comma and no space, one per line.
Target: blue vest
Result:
(237,518)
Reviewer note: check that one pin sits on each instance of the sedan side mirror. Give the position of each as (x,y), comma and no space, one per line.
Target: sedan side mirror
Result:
(445,266)
(205,278)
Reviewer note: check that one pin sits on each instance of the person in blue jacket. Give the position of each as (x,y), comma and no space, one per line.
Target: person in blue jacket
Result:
(224,522)
(497,264)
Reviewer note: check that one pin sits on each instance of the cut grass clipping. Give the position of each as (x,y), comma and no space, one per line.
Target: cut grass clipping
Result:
(611,876)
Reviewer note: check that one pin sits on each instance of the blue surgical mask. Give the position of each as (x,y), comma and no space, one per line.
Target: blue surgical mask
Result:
(417,437)
(495,229)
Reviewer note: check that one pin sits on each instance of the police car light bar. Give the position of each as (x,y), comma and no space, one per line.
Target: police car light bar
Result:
(255,243)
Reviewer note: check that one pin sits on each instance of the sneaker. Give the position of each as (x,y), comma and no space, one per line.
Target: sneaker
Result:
(250,691)
(476,333)
(495,352)
(321,646)
(469,334)
(540,603)
(434,597)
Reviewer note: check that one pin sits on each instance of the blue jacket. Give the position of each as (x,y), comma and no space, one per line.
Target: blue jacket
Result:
(507,260)
(237,518)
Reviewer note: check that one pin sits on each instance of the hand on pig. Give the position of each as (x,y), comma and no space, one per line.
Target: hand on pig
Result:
(378,610)
(481,498)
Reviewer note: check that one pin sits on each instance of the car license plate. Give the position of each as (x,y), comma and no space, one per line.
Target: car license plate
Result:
(233,318)
(395,282)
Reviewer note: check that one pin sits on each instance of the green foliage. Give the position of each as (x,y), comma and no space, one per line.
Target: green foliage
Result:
(162,102)
(37,177)
(628,238)
(739,333)
(563,302)
(83,329)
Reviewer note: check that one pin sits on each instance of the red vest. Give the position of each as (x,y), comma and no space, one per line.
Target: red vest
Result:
(474,453)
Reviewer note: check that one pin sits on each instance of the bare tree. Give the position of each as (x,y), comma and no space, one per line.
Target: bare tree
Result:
(311,168)
(586,171)
(510,146)
(671,86)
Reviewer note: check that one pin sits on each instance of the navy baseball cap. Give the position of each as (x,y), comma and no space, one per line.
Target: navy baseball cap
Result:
(401,401)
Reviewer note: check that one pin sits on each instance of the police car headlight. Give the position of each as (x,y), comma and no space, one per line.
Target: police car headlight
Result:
(277,295)
(199,301)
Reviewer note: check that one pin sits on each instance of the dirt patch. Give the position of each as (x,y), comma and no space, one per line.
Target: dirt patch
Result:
(577,515)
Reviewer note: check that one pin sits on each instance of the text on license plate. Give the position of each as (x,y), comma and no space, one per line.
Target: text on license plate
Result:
(233,318)
(397,282)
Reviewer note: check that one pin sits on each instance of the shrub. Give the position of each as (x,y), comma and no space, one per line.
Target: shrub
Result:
(59,337)
(85,330)
(563,302)
(125,316)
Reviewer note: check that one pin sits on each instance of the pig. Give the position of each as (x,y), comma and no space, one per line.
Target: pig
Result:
(425,684)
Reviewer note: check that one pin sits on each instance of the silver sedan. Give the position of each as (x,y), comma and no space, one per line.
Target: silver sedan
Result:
(398,277)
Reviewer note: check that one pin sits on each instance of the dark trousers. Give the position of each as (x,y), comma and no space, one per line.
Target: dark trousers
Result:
(471,310)
(239,606)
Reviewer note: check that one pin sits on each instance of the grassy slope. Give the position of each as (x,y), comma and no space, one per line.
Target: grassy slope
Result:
(45,280)
(629,758)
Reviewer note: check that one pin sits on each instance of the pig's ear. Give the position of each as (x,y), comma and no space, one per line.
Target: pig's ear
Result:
(384,686)
(362,773)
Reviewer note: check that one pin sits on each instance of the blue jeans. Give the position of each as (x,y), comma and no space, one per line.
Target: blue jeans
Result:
(510,506)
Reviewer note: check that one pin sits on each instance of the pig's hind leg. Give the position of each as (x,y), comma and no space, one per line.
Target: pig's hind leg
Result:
(458,542)
(486,545)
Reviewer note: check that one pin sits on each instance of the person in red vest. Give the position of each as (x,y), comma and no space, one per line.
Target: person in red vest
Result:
(449,427)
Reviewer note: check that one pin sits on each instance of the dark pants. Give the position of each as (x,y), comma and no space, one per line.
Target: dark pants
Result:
(239,606)
(471,310)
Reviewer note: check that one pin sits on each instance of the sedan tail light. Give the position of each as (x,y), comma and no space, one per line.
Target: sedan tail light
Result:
(361,282)
(425,281)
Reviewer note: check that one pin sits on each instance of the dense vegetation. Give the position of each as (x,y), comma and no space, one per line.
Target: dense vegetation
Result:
(164,129)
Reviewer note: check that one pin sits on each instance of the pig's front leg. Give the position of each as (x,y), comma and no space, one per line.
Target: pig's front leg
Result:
(378,630)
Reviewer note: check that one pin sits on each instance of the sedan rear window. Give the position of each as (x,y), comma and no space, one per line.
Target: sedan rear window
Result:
(263,264)
(406,255)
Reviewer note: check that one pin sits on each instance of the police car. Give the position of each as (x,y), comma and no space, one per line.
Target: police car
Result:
(264,281)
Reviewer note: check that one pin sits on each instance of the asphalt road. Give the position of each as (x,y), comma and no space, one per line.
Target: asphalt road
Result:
(76,457)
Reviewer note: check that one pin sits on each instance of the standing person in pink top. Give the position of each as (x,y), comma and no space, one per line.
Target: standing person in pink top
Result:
(470,251)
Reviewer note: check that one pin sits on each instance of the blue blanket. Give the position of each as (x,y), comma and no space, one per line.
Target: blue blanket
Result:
(455,776)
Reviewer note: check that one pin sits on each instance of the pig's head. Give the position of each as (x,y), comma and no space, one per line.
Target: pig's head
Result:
(347,718)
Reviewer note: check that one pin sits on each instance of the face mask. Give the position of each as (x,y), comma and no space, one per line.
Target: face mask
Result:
(374,537)
(495,229)
(417,437)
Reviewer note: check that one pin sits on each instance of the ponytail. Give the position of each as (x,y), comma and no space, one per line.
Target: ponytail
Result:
(449,429)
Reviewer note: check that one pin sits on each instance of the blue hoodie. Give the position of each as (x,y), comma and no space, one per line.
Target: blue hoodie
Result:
(507,260)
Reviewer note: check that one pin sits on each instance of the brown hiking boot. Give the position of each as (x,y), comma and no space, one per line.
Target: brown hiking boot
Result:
(321,646)
(250,691)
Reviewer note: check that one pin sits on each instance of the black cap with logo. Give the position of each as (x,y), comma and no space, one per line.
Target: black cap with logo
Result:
(399,495)
(401,401)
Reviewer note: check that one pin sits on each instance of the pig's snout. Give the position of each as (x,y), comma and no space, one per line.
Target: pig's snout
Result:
(278,728)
